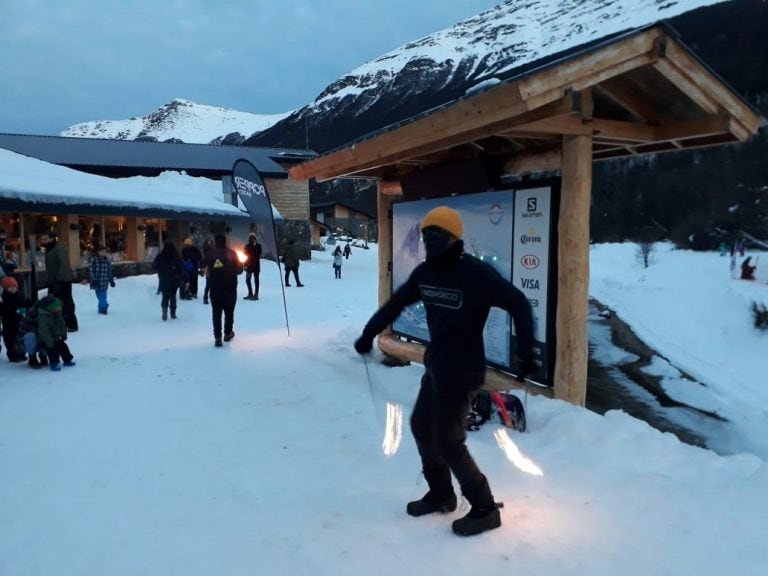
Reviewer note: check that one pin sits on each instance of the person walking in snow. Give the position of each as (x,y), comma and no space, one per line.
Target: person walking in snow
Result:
(347,251)
(60,277)
(337,260)
(291,263)
(100,276)
(222,268)
(207,247)
(12,308)
(457,291)
(52,332)
(252,266)
(170,274)
(193,259)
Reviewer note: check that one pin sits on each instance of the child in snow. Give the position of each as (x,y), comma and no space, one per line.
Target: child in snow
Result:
(100,274)
(52,332)
(337,259)
(747,270)
(28,331)
(11,309)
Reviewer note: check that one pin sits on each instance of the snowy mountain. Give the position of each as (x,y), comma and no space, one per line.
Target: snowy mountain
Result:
(180,120)
(469,56)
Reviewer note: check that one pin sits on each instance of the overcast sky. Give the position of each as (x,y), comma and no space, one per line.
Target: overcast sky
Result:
(62,63)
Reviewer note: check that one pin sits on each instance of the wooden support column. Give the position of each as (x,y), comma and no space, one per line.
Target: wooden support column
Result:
(70,238)
(570,378)
(384,205)
(134,239)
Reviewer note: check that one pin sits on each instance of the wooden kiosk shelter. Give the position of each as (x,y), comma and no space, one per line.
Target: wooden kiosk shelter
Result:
(635,93)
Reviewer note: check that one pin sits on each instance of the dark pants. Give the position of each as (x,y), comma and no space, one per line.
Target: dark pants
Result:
(206,290)
(255,275)
(10,332)
(63,291)
(59,352)
(193,283)
(223,303)
(295,270)
(439,426)
(168,299)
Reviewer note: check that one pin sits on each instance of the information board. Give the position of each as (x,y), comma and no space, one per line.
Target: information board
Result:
(508,229)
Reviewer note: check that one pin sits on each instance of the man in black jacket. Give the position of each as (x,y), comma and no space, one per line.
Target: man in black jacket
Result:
(60,277)
(457,291)
(252,266)
(222,268)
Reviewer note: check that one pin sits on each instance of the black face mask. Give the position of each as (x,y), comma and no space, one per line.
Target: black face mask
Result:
(436,240)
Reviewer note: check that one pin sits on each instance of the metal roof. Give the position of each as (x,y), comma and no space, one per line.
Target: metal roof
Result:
(128,157)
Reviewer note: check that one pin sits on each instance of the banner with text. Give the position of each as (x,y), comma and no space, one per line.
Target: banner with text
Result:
(254,196)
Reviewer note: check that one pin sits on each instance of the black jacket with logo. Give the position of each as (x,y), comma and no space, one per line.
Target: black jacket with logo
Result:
(222,267)
(458,292)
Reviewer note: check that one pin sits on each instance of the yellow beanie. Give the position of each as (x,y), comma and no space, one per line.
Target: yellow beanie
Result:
(446,218)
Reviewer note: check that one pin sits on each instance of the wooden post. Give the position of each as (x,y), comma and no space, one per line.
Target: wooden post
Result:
(572,346)
(69,235)
(385,246)
(134,239)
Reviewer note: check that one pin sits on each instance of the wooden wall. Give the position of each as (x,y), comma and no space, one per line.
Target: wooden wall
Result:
(290,197)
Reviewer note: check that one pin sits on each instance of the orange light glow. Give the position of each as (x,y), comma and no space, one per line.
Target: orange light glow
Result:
(393,431)
(514,455)
(241,256)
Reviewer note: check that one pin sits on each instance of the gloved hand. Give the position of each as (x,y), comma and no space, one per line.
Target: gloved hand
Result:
(364,344)
(112,283)
(525,367)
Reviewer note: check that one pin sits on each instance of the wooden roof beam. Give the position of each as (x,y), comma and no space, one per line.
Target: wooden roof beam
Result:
(628,98)
(697,74)
(412,140)
(714,124)
(592,69)
(546,161)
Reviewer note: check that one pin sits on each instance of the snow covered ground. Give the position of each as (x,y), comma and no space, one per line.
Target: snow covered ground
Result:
(159,454)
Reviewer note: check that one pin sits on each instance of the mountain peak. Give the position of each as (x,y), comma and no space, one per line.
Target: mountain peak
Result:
(180,120)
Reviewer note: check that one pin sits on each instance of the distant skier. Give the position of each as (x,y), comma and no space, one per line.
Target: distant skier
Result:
(337,261)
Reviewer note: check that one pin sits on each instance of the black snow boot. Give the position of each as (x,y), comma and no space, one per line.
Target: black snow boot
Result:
(431,503)
(33,362)
(43,359)
(484,514)
(165,314)
(440,498)
(477,521)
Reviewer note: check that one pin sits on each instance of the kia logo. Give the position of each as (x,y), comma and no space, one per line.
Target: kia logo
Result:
(530,261)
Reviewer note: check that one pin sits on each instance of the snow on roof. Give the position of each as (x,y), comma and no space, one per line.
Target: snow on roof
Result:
(34,181)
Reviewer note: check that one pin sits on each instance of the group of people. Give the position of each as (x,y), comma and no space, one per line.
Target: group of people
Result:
(454,361)
(220,267)
(35,332)
(338,259)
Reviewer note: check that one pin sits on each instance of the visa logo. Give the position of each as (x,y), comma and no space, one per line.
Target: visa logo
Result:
(530,283)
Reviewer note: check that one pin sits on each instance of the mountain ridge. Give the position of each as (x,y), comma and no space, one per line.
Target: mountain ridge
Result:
(180,120)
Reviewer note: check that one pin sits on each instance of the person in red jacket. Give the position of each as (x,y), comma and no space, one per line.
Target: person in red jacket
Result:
(458,292)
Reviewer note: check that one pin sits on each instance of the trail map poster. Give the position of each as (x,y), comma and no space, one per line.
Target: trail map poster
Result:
(508,229)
